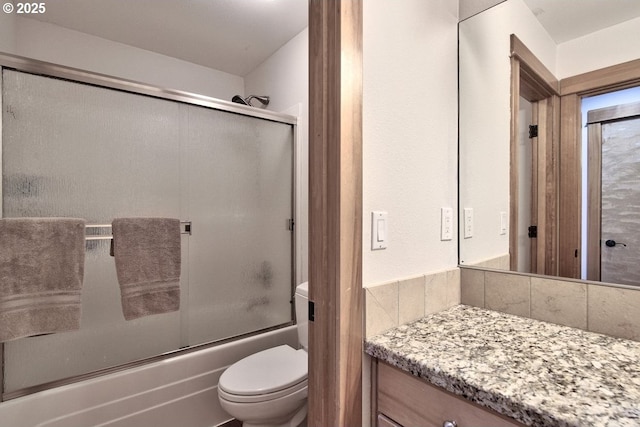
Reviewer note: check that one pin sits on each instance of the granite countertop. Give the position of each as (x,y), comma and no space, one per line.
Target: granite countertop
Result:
(538,373)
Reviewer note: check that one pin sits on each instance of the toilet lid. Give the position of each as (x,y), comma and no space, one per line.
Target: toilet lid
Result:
(265,372)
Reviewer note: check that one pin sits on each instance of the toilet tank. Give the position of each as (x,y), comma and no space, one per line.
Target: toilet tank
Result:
(302,314)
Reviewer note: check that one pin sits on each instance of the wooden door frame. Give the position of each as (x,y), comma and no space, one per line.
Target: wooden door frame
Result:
(531,80)
(594,199)
(335,213)
(533,192)
(595,120)
(572,90)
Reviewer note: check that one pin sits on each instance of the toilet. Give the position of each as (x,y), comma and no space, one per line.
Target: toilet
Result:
(269,388)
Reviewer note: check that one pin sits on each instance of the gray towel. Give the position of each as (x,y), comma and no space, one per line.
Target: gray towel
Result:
(147,256)
(41,273)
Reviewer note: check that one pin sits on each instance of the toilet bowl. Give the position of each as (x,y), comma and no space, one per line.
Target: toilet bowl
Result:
(269,388)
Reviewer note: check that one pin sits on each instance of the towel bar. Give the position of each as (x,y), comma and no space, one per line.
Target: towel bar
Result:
(187,230)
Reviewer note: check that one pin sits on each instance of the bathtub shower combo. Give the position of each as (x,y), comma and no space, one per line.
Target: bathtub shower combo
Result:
(75,144)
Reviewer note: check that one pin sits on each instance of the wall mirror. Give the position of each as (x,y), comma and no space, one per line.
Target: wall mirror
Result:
(531,202)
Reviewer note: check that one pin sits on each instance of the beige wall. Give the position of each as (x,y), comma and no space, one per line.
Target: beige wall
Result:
(469,8)
(52,43)
(603,48)
(410,146)
(409,134)
(7,33)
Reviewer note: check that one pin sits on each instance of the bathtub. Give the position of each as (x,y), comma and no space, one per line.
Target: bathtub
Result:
(176,392)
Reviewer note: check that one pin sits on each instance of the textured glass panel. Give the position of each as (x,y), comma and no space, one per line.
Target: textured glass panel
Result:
(76,150)
(240,197)
(621,201)
(82,151)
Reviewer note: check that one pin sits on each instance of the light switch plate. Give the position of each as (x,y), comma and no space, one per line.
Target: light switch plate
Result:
(468,223)
(503,223)
(379,230)
(446,224)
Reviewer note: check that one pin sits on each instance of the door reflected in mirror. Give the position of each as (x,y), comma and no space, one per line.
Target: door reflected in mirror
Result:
(612,186)
(522,89)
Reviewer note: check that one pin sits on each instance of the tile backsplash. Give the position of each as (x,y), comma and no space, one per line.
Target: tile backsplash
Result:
(402,301)
(590,306)
(585,305)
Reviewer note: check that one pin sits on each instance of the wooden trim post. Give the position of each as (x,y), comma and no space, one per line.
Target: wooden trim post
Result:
(335,212)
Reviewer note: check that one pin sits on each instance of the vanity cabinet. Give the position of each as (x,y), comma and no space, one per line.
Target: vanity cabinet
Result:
(400,399)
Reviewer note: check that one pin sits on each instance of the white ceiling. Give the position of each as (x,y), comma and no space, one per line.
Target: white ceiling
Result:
(234,36)
(569,19)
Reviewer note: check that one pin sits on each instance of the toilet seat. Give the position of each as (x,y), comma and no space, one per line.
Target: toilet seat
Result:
(266,375)
(300,388)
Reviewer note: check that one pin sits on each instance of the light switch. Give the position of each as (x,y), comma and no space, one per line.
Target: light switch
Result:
(468,223)
(503,222)
(379,233)
(446,224)
(381,230)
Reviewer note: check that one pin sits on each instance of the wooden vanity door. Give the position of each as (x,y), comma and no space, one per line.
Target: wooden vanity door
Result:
(383,421)
(404,400)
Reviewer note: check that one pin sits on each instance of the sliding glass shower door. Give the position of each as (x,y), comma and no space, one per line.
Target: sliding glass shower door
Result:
(240,197)
(75,150)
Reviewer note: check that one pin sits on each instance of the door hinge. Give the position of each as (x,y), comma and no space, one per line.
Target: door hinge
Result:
(312,311)
(533,131)
(290,224)
(533,231)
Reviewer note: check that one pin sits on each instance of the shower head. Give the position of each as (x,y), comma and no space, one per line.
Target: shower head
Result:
(264,100)
(238,99)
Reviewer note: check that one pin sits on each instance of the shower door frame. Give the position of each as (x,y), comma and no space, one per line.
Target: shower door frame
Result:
(75,75)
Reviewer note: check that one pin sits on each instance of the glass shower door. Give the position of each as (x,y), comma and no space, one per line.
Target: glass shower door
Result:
(81,151)
(240,255)
(70,149)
